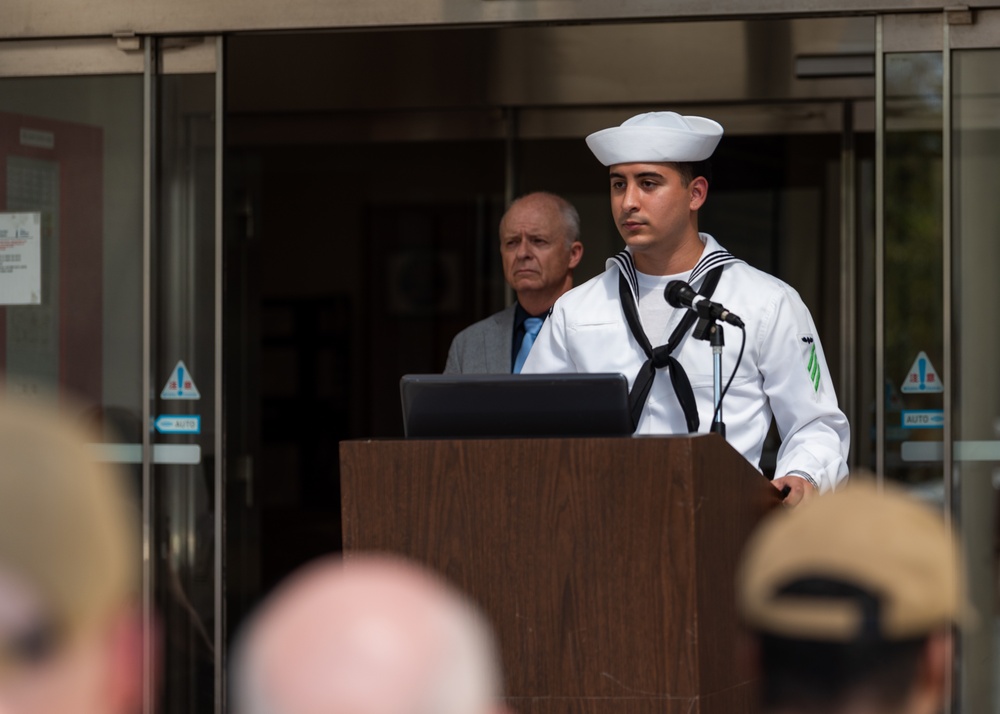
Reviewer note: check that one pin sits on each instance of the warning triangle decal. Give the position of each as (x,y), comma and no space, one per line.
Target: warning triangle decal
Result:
(180,385)
(923,378)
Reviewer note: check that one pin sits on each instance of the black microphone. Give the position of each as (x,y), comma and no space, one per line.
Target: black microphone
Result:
(680,294)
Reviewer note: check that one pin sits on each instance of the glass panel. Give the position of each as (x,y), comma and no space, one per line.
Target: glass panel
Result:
(914,350)
(566,167)
(184,382)
(71,174)
(976,225)
(864,445)
(359,261)
(71,150)
(71,312)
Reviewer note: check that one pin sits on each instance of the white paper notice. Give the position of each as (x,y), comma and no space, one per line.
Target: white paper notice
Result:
(20,258)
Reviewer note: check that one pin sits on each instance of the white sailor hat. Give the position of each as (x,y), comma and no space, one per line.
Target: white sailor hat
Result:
(654,137)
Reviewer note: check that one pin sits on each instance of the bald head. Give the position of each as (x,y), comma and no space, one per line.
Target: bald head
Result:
(373,636)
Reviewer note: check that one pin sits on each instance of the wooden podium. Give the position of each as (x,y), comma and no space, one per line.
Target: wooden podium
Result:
(606,565)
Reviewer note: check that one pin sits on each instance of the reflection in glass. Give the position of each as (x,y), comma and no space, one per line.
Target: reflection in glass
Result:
(976,225)
(71,151)
(914,327)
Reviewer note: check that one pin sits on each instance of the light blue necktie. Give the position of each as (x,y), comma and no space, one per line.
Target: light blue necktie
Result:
(531,327)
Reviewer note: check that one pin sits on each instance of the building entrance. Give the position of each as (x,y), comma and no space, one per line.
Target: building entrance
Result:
(367,173)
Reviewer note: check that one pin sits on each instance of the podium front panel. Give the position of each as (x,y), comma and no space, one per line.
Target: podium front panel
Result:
(584,553)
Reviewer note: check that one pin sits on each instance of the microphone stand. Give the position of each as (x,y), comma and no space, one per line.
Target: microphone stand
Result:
(717,341)
(710,331)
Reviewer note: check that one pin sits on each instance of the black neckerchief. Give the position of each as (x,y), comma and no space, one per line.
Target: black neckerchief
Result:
(710,266)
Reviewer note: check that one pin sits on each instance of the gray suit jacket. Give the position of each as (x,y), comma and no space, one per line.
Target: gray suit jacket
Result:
(483,347)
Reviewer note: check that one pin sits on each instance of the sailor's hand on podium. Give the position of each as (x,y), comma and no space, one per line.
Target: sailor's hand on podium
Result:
(799,489)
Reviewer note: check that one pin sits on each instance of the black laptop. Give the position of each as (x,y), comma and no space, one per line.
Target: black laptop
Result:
(514,405)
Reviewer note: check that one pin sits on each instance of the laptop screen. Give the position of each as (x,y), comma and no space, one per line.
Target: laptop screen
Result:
(449,406)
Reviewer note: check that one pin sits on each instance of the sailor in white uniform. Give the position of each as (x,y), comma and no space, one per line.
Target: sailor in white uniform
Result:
(620,321)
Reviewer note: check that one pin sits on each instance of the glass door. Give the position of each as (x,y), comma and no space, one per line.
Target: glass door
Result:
(939,411)
(108,304)
(185,415)
(72,321)
(973,222)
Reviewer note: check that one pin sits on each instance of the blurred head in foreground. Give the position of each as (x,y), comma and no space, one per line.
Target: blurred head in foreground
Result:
(372,635)
(850,602)
(70,634)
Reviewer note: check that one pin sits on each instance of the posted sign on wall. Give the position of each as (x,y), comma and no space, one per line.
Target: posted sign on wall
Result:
(20,258)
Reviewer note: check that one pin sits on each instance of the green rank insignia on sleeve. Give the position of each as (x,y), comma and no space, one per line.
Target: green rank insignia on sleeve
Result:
(812,365)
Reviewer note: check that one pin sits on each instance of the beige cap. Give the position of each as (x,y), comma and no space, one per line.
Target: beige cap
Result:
(656,137)
(885,544)
(67,531)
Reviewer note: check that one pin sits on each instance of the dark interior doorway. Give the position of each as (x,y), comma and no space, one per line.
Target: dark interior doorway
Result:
(361,224)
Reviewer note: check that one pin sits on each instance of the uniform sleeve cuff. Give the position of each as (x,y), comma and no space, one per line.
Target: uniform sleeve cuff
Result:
(804,475)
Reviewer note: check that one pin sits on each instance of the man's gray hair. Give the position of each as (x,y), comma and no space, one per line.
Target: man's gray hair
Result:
(567,211)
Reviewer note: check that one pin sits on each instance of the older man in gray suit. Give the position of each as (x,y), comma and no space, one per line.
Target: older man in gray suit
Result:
(539,246)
